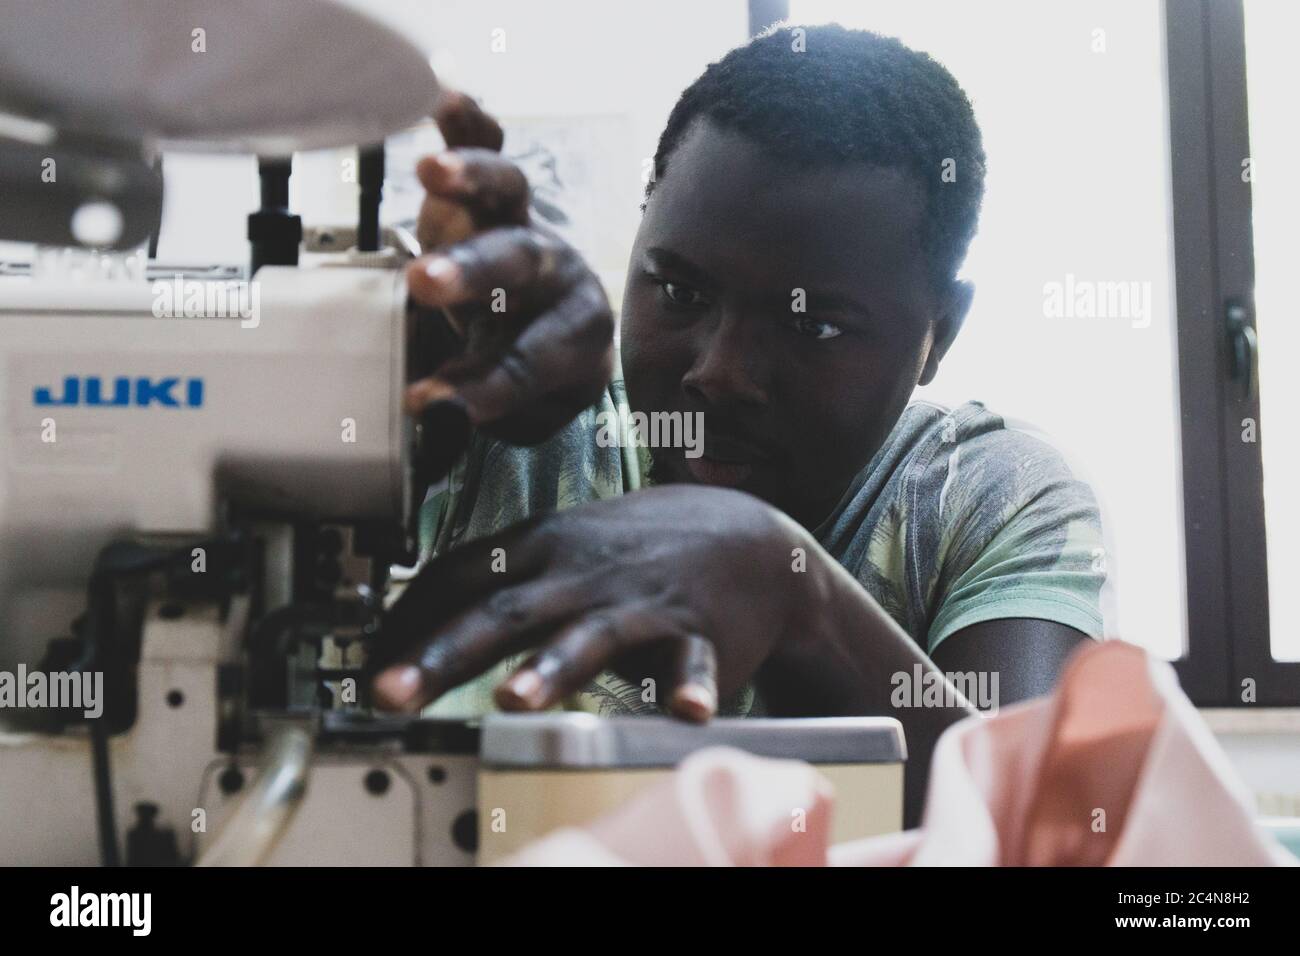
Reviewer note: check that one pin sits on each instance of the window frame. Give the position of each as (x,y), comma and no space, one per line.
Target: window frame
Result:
(1228,640)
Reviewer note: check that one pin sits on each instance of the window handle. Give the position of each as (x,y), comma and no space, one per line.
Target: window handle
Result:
(1243,347)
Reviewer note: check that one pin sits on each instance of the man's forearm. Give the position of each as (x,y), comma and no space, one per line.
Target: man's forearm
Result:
(847,661)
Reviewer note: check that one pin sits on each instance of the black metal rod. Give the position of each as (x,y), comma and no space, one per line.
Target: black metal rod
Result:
(273,232)
(370,177)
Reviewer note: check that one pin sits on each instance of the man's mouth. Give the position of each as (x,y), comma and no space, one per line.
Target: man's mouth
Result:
(726,461)
(710,471)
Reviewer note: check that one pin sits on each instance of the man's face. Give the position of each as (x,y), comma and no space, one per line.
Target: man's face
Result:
(732,243)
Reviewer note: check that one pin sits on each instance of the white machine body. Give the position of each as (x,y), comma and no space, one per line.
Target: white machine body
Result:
(116,422)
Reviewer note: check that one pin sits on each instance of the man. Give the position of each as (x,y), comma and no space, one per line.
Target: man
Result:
(793,280)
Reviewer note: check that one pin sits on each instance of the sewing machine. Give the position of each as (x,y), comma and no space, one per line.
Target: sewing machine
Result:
(209,488)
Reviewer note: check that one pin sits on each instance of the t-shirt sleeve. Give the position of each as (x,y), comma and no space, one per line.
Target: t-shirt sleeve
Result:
(1019,537)
(496,485)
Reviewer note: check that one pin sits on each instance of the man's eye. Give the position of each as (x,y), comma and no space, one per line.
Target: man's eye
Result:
(815,328)
(681,296)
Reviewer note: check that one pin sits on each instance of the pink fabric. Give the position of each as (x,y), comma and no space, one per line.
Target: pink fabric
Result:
(1115,768)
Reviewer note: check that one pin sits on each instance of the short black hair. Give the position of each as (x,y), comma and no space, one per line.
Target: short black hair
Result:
(849,95)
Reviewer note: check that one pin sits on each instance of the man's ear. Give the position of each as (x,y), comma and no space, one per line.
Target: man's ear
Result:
(952,314)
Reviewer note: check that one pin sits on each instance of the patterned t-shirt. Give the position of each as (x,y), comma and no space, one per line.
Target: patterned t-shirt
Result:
(959,518)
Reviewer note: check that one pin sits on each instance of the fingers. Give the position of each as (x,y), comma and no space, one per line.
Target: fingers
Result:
(561,361)
(596,642)
(579,653)
(508,269)
(476,640)
(462,122)
(493,190)
(455,622)
(466,191)
(531,381)
(454,582)
(442,222)
(694,694)
(427,391)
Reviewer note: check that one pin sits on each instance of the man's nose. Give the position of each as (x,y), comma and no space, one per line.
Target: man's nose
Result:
(730,367)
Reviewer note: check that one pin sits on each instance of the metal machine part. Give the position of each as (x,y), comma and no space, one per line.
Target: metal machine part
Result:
(91,95)
(403,791)
(192,74)
(382,791)
(584,741)
(274,233)
(397,241)
(51,192)
(259,821)
(377,791)
(540,772)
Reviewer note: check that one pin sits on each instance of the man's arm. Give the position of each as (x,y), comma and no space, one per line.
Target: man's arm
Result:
(849,666)
(1027,655)
(848,662)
